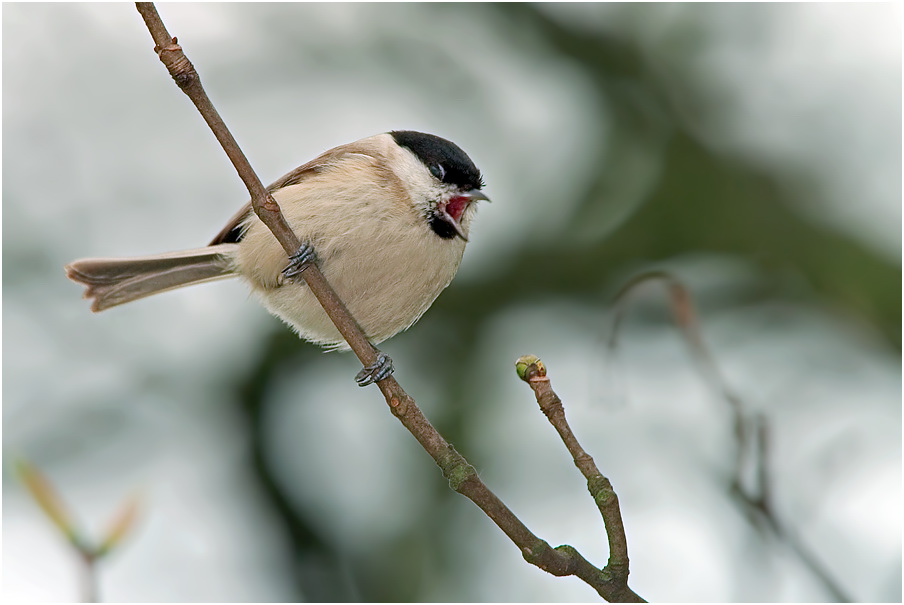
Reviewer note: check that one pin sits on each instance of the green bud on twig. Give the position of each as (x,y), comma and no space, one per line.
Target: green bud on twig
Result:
(529,366)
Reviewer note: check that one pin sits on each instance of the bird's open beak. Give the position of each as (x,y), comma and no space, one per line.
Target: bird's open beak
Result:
(453,210)
(476,194)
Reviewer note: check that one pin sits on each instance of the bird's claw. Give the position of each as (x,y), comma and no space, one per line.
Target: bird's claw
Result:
(376,371)
(299,261)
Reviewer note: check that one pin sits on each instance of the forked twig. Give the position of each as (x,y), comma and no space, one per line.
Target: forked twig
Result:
(462,476)
(532,371)
(89,551)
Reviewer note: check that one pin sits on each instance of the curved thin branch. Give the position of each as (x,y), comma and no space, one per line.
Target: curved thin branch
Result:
(751,430)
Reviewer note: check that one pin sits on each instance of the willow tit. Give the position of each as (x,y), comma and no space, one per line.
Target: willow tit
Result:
(385,218)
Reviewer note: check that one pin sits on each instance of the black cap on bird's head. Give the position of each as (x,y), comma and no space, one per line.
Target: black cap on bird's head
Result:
(445,159)
(450,165)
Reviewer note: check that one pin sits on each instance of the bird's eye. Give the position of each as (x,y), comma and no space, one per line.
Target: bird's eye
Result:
(438,171)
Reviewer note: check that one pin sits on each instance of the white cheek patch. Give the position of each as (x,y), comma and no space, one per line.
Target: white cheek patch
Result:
(422,186)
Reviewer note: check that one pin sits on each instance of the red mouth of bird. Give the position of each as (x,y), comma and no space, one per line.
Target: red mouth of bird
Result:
(452,211)
(454,208)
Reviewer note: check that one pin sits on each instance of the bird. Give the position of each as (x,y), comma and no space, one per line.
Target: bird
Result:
(385,218)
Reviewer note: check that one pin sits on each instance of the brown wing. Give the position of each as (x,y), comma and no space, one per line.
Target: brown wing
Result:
(232,232)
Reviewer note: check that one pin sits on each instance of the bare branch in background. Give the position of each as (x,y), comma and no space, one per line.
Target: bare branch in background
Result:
(751,483)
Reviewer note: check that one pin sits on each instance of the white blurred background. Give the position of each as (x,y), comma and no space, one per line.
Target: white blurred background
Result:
(752,150)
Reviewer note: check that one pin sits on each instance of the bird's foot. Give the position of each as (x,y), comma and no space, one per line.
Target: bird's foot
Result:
(376,371)
(299,261)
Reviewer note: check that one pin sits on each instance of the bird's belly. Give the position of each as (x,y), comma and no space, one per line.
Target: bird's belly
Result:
(386,287)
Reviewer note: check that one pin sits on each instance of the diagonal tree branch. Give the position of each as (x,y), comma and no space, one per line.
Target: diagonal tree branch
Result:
(188,80)
(463,478)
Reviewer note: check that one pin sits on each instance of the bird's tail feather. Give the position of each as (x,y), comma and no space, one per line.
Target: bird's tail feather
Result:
(114,281)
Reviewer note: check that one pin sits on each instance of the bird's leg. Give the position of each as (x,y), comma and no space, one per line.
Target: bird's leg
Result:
(376,371)
(298,262)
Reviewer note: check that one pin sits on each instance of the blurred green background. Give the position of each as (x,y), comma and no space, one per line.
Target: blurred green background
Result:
(753,151)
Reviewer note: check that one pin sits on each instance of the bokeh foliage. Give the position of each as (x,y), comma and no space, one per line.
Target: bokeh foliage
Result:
(697,202)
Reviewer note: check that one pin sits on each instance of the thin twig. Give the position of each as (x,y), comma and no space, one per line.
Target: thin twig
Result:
(463,478)
(533,372)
